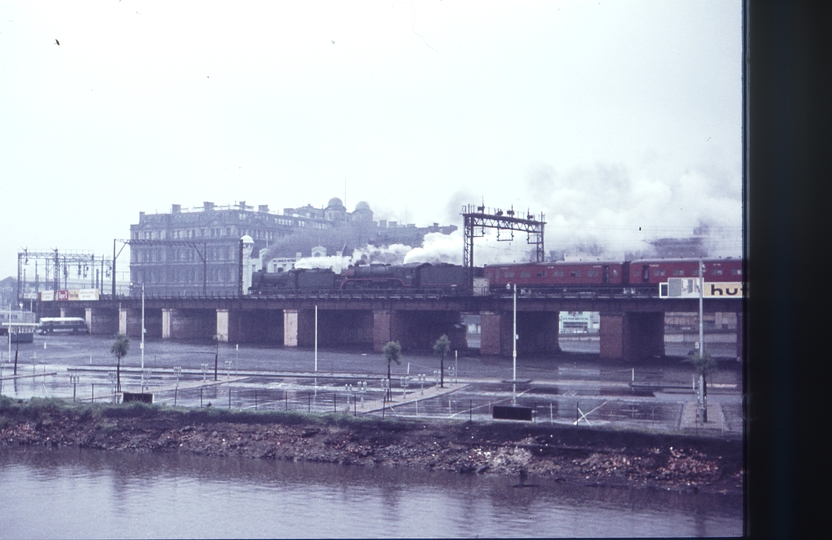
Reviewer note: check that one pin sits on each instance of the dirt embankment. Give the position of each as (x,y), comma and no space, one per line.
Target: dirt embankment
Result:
(563,453)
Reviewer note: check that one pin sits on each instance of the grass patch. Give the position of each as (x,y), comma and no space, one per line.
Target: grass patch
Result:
(14,410)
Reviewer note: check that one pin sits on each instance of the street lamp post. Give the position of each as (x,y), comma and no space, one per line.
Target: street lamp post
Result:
(514,348)
(142,344)
(703,407)
(9,358)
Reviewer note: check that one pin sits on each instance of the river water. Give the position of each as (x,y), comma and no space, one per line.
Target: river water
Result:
(72,493)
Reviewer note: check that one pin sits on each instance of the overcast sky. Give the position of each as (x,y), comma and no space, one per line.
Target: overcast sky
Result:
(608,116)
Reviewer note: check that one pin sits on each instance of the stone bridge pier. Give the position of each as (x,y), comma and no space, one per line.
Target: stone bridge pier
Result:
(537,332)
(73,312)
(632,335)
(102,321)
(417,330)
(188,323)
(130,322)
(252,326)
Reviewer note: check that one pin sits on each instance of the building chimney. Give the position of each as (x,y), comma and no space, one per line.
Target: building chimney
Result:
(175,208)
(207,206)
(263,208)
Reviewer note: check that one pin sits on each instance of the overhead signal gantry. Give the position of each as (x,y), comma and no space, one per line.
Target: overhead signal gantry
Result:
(479,218)
(56,266)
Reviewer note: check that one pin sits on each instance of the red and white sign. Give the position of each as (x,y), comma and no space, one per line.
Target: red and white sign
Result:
(689,288)
(70,295)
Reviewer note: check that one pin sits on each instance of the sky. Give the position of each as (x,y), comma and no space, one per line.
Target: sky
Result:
(620,120)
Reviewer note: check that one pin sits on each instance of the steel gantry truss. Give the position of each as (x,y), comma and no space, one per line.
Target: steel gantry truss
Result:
(479,218)
(60,264)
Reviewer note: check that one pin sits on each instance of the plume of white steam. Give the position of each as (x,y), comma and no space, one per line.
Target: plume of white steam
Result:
(447,248)
(335,262)
(392,254)
(607,211)
(436,248)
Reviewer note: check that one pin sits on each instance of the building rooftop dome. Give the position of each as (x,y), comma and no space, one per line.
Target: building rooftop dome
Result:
(362,205)
(335,201)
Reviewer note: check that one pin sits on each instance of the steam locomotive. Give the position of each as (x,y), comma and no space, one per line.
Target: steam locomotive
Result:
(446,277)
(643,275)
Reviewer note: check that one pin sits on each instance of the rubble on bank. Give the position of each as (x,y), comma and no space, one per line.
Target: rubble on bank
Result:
(562,453)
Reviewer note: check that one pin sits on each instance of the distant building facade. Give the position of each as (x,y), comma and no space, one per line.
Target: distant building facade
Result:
(8,293)
(191,252)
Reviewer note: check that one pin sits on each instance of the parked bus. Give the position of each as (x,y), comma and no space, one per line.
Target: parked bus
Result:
(75,325)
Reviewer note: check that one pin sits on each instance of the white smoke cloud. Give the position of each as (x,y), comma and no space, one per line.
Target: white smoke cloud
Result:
(608,211)
(392,254)
(335,262)
(447,248)
(604,212)
(436,248)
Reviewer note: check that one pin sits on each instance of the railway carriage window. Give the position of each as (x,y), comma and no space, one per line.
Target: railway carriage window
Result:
(557,273)
(541,274)
(678,272)
(659,272)
(716,271)
(574,273)
(736,271)
(592,273)
(615,272)
(509,274)
(525,274)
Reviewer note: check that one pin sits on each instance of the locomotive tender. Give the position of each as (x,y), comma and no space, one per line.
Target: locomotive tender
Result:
(642,275)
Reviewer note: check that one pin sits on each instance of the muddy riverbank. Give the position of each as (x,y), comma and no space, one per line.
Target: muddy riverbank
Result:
(571,454)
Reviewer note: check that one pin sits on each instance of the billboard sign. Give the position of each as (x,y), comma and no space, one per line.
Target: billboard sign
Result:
(689,288)
(70,295)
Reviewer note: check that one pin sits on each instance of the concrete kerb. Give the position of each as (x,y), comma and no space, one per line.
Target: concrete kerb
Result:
(412,397)
(689,420)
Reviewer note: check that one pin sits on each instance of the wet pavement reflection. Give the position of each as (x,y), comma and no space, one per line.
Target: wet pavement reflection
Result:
(568,387)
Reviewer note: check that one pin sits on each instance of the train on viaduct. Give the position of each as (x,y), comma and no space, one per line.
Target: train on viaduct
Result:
(631,326)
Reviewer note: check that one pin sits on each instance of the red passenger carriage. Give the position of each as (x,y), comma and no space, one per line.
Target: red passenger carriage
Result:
(558,274)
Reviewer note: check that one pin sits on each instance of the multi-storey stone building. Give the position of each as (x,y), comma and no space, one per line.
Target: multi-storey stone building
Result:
(198,251)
